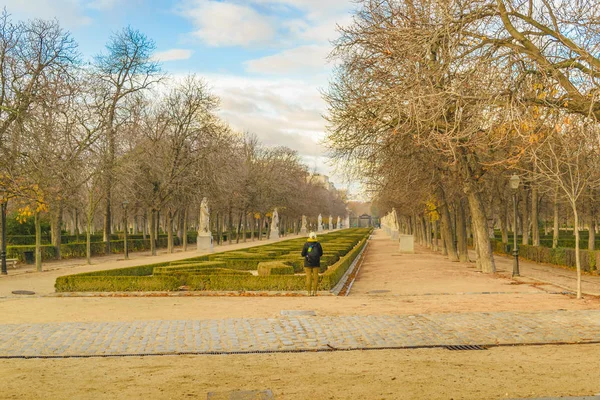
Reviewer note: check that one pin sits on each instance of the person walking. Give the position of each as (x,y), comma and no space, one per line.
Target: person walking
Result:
(312,252)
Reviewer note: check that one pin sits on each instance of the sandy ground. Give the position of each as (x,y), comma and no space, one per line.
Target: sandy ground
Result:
(536,371)
(420,283)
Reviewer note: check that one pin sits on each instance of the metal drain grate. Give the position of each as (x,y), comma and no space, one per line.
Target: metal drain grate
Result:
(466,347)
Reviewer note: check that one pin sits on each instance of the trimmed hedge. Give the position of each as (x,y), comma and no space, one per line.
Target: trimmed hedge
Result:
(274,268)
(590,260)
(78,250)
(75,283)
(199,274)
(190,267)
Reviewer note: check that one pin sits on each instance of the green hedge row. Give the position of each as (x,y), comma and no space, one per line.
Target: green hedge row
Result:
(274,268)
(590,260)
(78,250)
(199,274)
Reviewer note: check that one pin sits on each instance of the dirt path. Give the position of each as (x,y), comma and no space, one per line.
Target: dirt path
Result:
(497,373)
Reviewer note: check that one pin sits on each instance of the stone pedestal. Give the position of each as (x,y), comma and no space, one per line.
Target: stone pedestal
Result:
(303,231)
(406,244)
(274,235)
(205,244)
(394,234)
(320,228)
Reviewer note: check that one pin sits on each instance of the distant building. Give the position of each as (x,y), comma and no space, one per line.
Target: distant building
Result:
(322,180)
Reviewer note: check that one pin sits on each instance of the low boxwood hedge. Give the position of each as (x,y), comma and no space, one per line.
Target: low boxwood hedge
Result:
(199,274)
(190,267)
(75,283)
(275,268)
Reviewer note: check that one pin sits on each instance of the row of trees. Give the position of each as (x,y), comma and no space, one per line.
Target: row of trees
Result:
(79,139)
(441,101)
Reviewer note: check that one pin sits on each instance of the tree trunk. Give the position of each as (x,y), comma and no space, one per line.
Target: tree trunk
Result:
(592,226)
(245,225)
(503,222)
(169,227)
(446,225)
(461,233)
(260,228)
(423,227)
(38,241)
(253,227)
(428,241)
(526,218)
(443,240)
(239,229)
(56,230)
(230,221)
(577,255)
(535,231)
(107,218)
(480,228)
(185,229)
(153,237)
(556,228)
(436,246)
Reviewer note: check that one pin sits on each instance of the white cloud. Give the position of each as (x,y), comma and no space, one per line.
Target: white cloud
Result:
(227,24)
(102,4)
(173,55)
(309,59)
(70,13)
(279,111)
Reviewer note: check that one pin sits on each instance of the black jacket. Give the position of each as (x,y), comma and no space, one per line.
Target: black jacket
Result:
(317,246)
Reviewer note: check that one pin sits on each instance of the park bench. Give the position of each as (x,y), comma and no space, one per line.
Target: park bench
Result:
(12,262)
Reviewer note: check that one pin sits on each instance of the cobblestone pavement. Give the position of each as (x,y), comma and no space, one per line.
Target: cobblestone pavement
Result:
(297,333)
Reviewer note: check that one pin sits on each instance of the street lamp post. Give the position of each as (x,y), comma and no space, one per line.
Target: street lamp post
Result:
(3,250)
(514,184)
(125,248)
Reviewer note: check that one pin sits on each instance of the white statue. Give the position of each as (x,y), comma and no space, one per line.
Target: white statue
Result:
(330,223)
(304,228)
(320,223)
(204,240)
(338,225)
(275,225)
(204,227)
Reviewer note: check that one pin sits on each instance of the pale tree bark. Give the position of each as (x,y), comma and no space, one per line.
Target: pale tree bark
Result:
(152,229)
(592,226)
(556,227)
(526,217)
(435,236)
(446,225)
(185,229)
(503,222)
(461,233)
(427,222)
(169,227)
(535,231)
(480,231)
(38,241)
(577,255)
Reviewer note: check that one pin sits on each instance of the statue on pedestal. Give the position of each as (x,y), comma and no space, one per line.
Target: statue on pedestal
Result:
(204,240)
(304,228)
(338,225)
(275,225)
(330,223)
(320,223)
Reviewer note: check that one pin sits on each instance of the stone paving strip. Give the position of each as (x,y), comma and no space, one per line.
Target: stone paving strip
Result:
(297,334)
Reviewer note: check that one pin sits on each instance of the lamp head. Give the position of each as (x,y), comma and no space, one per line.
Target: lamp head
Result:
(125,204)
(515,180)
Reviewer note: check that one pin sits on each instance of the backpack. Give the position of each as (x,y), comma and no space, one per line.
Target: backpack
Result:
(312,254)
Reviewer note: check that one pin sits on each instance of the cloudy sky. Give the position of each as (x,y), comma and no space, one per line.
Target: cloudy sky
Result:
(266,59)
